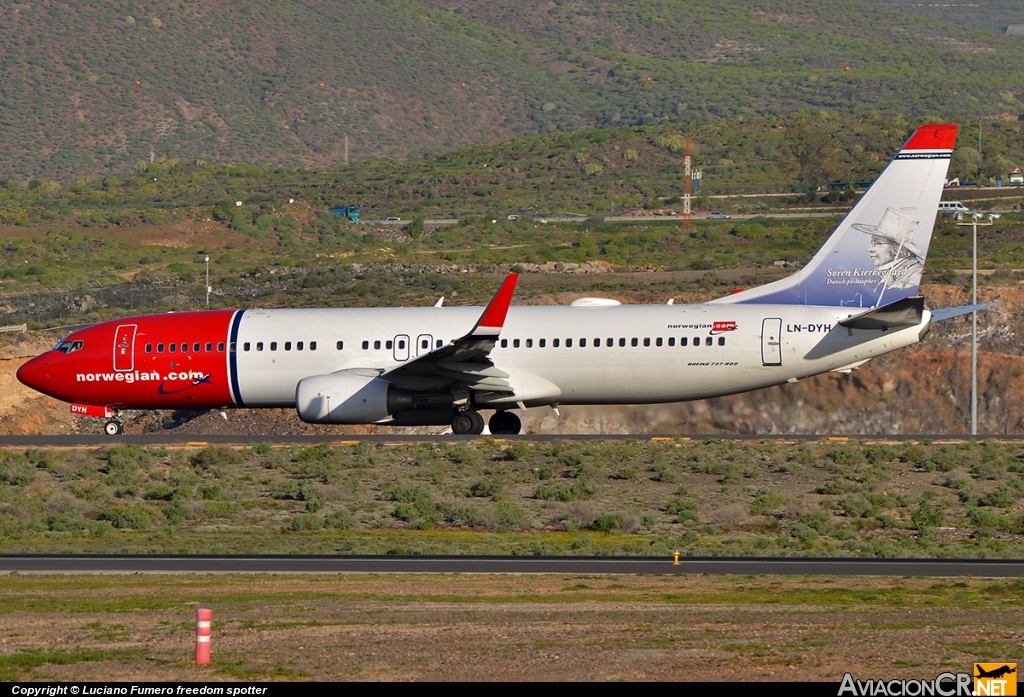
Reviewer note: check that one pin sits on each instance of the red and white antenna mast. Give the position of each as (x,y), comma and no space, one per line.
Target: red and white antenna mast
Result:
(687,188)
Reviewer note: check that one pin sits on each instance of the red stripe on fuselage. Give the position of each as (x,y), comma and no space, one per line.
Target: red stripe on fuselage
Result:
(158,380)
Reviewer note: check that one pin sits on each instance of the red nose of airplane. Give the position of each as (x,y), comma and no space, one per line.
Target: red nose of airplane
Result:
(35,373)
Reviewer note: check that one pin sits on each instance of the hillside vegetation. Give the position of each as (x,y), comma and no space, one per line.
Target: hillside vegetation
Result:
(94,87)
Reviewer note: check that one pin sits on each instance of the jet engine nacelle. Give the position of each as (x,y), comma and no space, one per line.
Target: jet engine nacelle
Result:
(349,398)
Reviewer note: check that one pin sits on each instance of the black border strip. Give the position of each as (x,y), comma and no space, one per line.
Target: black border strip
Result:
(236,392)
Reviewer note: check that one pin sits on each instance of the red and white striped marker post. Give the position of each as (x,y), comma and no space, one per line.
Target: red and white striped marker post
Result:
(204,618)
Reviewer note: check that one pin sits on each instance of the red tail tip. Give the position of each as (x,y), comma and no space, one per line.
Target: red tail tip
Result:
(940,136)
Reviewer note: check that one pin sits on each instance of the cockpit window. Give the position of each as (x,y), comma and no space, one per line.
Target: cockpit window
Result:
(66,346)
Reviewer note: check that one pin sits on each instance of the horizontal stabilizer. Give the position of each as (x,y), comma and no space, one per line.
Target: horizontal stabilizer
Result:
(905,312)
(947,312)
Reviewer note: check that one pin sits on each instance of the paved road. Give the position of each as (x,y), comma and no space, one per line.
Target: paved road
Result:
(151,563)
(157,439)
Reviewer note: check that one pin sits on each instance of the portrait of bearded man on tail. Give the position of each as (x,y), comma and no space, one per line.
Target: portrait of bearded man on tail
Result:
(898,261)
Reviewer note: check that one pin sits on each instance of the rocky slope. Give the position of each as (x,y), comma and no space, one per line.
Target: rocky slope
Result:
(924,389)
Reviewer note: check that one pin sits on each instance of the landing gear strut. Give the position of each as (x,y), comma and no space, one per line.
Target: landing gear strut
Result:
(468,422)
(504,422)
(113,428)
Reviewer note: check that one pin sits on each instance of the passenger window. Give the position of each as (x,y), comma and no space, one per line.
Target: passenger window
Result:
(287,346)
(440,343)
(683,341)
(568,343)
(634,342)
(529,343)
(376,345)
(232,347)
(209,346)
(149,348)
(658,341)
(504,343)
(298,346)
(159,348)
(401,344)
(220,346)
(312,345)
(246,346)
(708,341)
(259,345)
(339,345)
(583,343)
(273,345)
(196,347)
(647,341)
(543,342)
(622,341)
(721,341)
(555,342)
(671,341)
(696,341)
(388,345)
(515,343)
(426,344)
(171,348)
(366,345)
(184,347)
(609,343)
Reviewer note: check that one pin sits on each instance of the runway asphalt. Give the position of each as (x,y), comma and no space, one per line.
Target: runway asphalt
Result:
(157,439)
(330,564)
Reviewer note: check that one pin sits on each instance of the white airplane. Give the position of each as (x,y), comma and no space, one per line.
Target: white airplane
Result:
(855,299)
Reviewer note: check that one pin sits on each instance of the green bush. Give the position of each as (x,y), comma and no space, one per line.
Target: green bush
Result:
(510,515)
(216,455)
(608,523)
(127,517)
(341,520)
(307,521)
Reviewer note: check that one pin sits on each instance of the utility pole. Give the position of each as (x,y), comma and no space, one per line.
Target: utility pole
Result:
(974,317)
(207,280)
(687,188)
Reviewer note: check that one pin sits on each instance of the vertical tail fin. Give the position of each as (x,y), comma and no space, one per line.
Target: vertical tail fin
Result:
(876,254)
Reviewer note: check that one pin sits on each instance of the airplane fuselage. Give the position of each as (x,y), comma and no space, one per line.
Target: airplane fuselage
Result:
(628,354)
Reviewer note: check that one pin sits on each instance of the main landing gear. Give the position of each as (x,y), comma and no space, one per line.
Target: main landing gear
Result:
(472,423)
(113,428)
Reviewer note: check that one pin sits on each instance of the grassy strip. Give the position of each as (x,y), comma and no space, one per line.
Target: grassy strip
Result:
(710,498)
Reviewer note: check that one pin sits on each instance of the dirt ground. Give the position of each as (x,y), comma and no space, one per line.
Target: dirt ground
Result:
(508,627)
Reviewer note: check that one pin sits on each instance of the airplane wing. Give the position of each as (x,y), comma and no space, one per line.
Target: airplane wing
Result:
(466,360)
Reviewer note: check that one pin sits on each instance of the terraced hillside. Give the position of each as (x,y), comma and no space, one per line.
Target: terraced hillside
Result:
(91,87)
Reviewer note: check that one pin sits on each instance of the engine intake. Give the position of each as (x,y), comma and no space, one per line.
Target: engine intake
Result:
(349,398)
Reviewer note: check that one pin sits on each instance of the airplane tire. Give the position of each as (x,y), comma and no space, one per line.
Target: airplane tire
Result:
(113,428)
(504,422)
(468,422)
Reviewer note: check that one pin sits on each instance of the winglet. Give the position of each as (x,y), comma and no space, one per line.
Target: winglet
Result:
(493,319)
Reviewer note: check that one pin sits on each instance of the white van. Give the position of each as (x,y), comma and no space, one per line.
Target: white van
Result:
(949,207)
